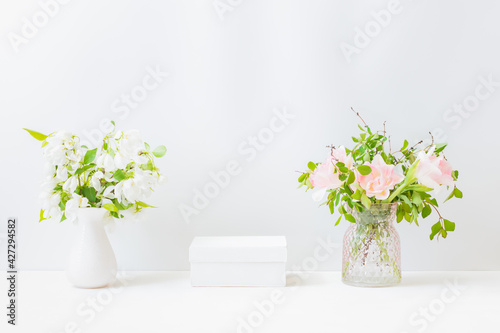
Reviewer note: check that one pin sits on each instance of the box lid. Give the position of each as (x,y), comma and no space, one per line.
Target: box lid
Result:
(238,249)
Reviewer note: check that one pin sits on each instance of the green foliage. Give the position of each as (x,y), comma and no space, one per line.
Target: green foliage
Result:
(89,156)
(435,229)
(350,218)
(364,170)
(36,135)
(41,215)
(426,211)
(160,151)
(455,193)
(448,225)
(119,175)
(89,193)
(440,147)
(142,204)
(110,207)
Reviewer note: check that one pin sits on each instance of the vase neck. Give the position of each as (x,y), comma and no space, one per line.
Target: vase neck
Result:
(90,217)
(377,214)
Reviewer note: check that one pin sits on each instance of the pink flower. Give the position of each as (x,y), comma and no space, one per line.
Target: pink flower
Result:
(433,171)
(324,176)
(340,155)
(381,180)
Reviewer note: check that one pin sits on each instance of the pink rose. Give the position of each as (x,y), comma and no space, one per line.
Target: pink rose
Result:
(381,180)
(433,171)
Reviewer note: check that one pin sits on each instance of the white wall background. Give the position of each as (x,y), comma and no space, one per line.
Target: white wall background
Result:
(225,79)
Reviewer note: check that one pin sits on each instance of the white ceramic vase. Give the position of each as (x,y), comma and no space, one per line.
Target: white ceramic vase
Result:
(92,262)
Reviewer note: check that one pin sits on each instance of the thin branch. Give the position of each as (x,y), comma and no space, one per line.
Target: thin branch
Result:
(416,144)
(332,147)
(357,114)
(432,137)
(390,149)
(437,211)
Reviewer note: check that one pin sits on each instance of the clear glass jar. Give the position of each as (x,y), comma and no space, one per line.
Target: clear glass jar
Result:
(372,249)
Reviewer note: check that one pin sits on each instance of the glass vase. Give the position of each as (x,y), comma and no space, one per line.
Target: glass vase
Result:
(372,249)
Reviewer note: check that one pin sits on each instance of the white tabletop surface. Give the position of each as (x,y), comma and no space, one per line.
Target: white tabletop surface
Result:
(312,302)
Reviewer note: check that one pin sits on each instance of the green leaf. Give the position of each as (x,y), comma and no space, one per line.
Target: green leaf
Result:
(147,166)
(351,178)
(89,193)
(365,201)
(452,194)
(344,169)
(89,156)
(440,147)
(311,166)
(142,204)
(113,122)
(302,177)
(41,215)
(401,215)
(63,217)
(357,195)
(435,229)
(420,188)
(110,207)
(84,168)
(405,144)
(147,146)
(350,218)
(119,175)
(120,206)
(458,193)
(331,205)
(407,216)
(448,225)
(414,215)
(454,174)
(364,170)
(417,200)
(355,139)
(36,135)
(426,211)
(160,151)
(405,199)
(338,220)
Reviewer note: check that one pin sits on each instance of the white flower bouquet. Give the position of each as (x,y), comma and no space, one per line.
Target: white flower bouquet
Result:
(116,176)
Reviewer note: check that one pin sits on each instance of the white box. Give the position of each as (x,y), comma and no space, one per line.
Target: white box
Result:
(238,261)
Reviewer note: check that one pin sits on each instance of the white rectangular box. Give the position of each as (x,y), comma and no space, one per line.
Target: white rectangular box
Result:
(253,261)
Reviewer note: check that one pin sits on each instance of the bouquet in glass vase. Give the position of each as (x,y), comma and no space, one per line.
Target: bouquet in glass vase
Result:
(371,186)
